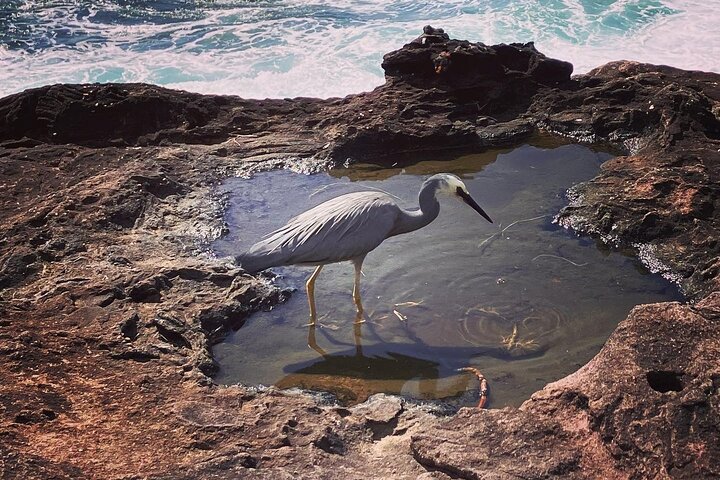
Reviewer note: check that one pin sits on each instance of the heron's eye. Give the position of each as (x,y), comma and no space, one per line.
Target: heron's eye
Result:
(459,191)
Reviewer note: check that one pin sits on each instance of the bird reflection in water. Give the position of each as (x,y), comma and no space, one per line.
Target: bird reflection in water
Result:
(355,374)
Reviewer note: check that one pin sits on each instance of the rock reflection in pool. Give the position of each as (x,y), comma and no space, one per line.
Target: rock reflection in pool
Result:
(524,301)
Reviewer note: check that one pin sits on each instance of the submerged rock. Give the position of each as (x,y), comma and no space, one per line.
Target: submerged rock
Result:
(109,304)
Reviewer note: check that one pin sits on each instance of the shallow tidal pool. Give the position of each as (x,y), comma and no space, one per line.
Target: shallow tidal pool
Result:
(523,300)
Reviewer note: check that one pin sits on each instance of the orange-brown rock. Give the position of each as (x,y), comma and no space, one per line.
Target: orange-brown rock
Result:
(109,301)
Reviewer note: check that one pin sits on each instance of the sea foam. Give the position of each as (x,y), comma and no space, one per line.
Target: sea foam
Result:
(302,48)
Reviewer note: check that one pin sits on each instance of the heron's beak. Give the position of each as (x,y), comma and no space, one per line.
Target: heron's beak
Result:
(469,200)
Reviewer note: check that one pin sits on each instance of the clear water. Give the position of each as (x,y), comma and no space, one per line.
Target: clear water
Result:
(522,300)
(287,48)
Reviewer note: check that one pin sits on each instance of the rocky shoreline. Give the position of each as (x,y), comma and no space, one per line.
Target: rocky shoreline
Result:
(109,305)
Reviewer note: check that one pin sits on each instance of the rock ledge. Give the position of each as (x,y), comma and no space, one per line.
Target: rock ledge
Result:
(108,306)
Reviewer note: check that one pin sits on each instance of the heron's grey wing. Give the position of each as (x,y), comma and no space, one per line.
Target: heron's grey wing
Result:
(339,229)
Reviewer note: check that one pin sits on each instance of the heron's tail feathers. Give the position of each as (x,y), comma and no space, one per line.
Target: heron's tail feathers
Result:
(253,263)
(249,264)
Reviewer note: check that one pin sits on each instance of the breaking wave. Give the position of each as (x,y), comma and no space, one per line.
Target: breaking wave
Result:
(289,48)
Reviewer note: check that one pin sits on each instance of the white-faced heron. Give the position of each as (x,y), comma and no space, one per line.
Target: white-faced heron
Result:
(347,228)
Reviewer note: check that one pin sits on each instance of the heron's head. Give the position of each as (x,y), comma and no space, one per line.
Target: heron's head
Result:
(450,184)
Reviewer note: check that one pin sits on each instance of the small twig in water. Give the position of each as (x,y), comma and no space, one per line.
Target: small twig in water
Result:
(510,340)
(409,304)
(561,258)
(403,318)
(511,225)
(488,239)
(523,221)
(483,384)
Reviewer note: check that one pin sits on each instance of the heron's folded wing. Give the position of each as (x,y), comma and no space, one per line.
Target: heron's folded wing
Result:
(339,229)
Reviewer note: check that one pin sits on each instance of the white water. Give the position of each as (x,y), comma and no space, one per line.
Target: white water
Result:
(321,49)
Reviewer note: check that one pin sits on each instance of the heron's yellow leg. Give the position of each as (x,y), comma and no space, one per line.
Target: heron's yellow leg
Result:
(312,343)
(310,285)
(356,288)
(357,333)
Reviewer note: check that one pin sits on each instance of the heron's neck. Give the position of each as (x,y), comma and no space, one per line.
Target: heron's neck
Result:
(429,209)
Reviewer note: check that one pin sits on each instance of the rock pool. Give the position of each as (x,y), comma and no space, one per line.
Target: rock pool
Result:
(523,300)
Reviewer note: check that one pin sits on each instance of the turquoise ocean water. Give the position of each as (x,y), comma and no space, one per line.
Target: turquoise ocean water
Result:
(286,48)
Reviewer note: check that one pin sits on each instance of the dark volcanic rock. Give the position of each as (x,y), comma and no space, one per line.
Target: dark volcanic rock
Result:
(663,198)
(109,307)
(94,115)
(433,60)
(441,93)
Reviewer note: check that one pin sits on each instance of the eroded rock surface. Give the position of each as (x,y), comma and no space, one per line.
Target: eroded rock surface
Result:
(109,305)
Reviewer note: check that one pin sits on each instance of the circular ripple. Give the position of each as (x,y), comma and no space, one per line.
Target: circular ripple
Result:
(513,330)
